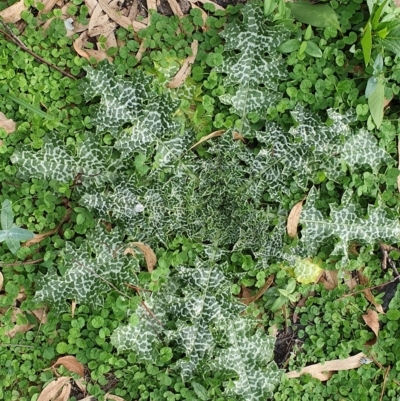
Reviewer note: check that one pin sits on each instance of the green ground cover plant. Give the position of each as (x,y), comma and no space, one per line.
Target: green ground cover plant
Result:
(123,161)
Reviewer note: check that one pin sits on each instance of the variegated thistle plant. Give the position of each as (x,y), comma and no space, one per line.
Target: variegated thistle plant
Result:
(231,199)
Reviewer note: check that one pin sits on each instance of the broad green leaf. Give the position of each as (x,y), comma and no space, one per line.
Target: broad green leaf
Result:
(391,42)
(20,234)
(345,224)
(7,215)
(3,235)
(318,15)
(289,46)
(378,64)
(249,356)
(313,50)
(371,85)
(13,244)
(269,6)
(376,102)
(377,14)
(200,391)
(302,48)
(366,43)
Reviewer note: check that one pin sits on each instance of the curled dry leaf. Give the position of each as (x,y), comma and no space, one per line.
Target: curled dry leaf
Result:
(1,281)
(7,124)
(293,219)
(71,363)
(54,390)
(371,319)
(184,71)
(329,279)
(129,251)
(319,370)
(12,14)
(149,255)
(87,53)
(207,137)
(73,307)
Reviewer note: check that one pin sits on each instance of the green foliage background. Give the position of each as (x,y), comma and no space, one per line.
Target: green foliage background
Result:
(329,327)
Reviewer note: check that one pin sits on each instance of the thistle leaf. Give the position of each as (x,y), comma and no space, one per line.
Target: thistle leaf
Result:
(345,224)
(254,76)
(86,277)
(122,101)
(249,357)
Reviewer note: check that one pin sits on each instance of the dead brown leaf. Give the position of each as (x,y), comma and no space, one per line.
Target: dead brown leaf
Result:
(184,71)
(371,319)
(18,328)
(329,279)
(71,363)
(55,389)
(349,280)
(40,315)
(1,280)
(175,8)
(48,5)
(324,371)
(39,237)
(249,300)
(125,22)
(217,6)
(129,251)
(293,219)
(21,295)
(141,51)
(73,307)
(151,5)
(113,397)
(207,137)
(12,14)
(7,124)
(367,292)
(148,253)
